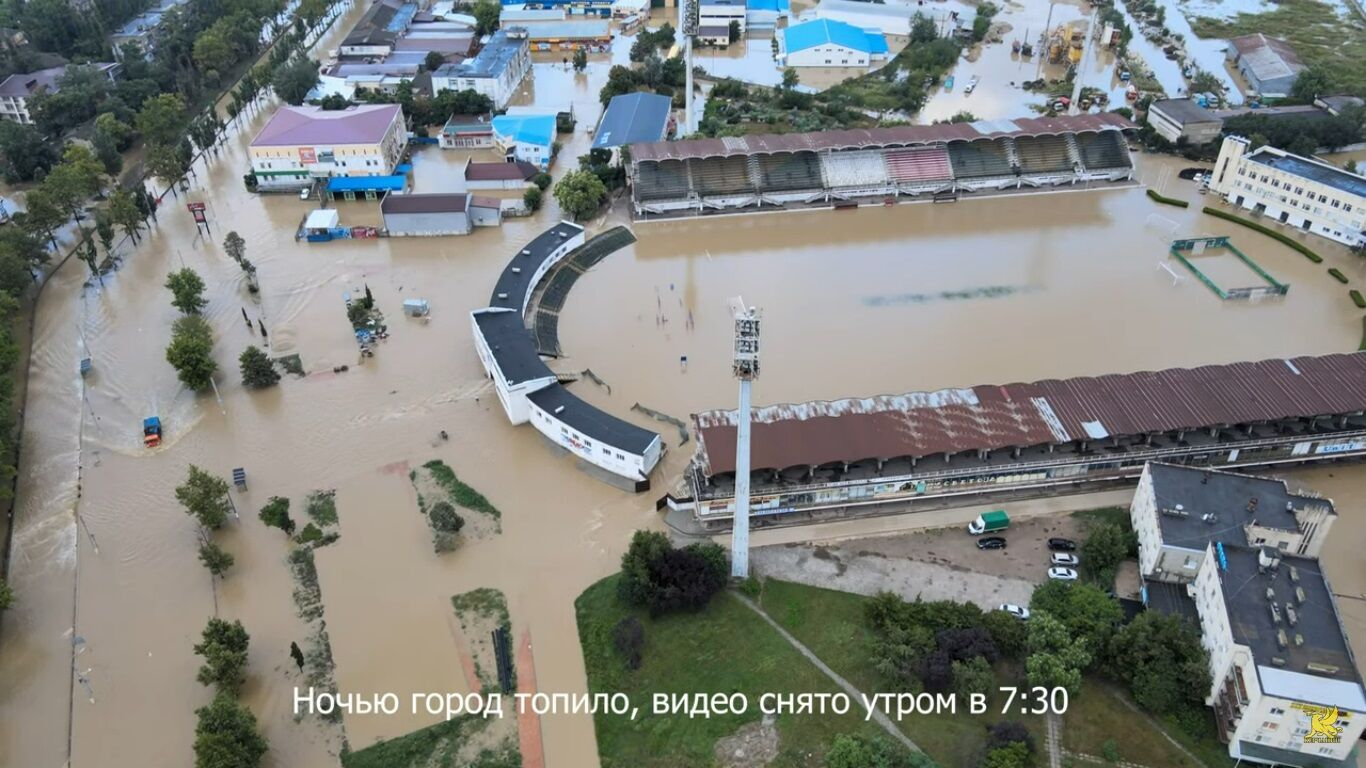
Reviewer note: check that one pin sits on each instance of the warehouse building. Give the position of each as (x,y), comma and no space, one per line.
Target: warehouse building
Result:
(890,19)
(830,459)
(632,118)
(568,35)
(514,175)
(301,144)
(1176,119)
(432,215)
(1296,191)
(718,15)
(830,43)
(1239,555)
(495,71)
(1268,64)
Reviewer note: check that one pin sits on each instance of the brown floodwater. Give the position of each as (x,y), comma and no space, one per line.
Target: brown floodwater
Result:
(859,302)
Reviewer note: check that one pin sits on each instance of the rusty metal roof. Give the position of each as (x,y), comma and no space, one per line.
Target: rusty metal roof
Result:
(863,138)
(991,417)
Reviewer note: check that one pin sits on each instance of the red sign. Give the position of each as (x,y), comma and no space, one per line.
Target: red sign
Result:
(307,155)
(194,206)
(199,217)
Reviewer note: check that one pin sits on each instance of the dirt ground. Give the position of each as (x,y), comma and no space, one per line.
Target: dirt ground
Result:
(1025,557)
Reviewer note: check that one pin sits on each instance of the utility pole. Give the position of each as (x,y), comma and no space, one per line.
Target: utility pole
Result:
(687,27)
(745,367)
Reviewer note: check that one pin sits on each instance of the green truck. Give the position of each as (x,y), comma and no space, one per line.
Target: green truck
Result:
(989,522)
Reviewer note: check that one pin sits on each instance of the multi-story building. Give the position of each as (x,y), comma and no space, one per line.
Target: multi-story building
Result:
(529,138)
(1238,554)
(1298,191)
(720,13)
(1176,119)
(300,144)
(17,90)
(495,71)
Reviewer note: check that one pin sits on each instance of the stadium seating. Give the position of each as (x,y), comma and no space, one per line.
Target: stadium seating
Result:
(788,172)
(558,288)
(546,331)
(919,165)
(983,158)
(1043,154)
(664,180)
(854,169)
(1105,150)
(721,176)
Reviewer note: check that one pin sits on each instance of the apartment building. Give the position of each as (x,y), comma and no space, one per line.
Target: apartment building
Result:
(300,144)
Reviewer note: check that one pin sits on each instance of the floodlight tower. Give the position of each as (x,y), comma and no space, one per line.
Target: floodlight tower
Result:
(745,368)
(687,27)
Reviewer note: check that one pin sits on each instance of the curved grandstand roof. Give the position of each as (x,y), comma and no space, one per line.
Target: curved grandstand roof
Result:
(991,417)
(862,138)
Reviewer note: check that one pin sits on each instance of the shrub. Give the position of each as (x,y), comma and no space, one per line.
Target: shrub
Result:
(859,751)
(226,735)
(972,676)
(542,181)
(276,514)
(1014,755)
(258,371)
(1007,632)
(1357,299)
(444,518)
(1008,732)
(215,558)
(628,637)
(6,595)
(1110,751)
(309,534)
(1337,275)
(1152,193)
(532,198)
(663,579)
(1292,243)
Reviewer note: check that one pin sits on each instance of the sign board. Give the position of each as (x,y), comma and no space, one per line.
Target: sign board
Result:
(307,156)
(194,206)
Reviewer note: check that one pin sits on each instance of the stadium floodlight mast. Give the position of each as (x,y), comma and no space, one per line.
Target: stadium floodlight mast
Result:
(745,367)
(687,27)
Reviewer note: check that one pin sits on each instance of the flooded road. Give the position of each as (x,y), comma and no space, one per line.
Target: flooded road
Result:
(867,301)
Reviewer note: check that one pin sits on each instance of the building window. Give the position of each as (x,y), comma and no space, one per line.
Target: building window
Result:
(1277,711)
(619,456)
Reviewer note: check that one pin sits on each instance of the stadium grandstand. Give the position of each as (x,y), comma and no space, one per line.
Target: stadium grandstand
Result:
(876,165)
(821,460)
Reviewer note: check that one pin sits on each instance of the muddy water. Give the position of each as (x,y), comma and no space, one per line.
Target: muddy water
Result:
(1076,274)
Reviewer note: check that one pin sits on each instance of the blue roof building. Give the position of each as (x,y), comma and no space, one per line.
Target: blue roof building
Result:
(830,43)
(765,13)
(530,138)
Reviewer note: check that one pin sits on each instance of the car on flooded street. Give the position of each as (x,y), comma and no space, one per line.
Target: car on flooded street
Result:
(1063,558)
(1018,611)
(991,542)
(1062,574)
(1062,545)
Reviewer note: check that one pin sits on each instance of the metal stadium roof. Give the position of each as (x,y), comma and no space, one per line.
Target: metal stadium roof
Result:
(992,417)
(862,138)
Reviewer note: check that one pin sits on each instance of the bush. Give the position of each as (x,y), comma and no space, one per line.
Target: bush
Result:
(663,579)
(6,595)
(1106,545)
(1007,632)
(1152,193)
(1013,755)
(1292,243)
(309,534)
(226,736)
(580,194)
(532,198)
(276,515)
(258,371)
(542,181)
(859,751)
(628,637)
(1008,732)
(1110,751)
(1357,299)
(972,676)
(444,518)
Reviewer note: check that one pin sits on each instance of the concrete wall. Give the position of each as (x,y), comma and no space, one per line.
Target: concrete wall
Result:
(609,457)
(427,224)
(828,55)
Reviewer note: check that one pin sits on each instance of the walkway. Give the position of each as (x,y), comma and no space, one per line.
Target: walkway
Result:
(848,687)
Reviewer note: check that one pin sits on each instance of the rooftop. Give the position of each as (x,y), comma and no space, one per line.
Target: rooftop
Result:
(40,81)
(810,34)
(518,171)
(632,118)
(865,138)
(1337,178)
(382,24)
(1184,111)
(1267,57)
(591,422)
(510,343)
(429,203)
(1053,411)
(1234,500)
(569,30)
(515,282)
(496,55)
(866,8)
(527,129)
(312,126)
(1314,664)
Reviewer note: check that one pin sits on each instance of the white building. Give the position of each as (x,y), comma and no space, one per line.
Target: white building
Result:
(891,19)
(1297,191)
(720,13)
(1237,553)
(300,144)
(495,71)
(17,90)
(829,43)
(528,138)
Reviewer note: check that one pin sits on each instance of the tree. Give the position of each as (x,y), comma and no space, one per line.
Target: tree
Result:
(1162,660)
(162,119)
(532,198)
(110,125)
(191,351)
(663,579)
(294,79)
(258,372)
(215,558)
(444,518)
(1056,658)
(226,735)
(1014,755)
(580,193)
(628,637)
(542,181)
(20,253)
(187,291)
(923,29)
(620,79)
(1086,610)
(1007,632)
(204,497)
(486,15)
(44,216)
(213,53)
(89,255)
(580,59)
(276,514)
(433,61)
(1310,84)
(235,246)
(123,211)
(1009,732)
(790,79)
(296,654)
(1304,145)
(859,751)
(6,595)
(1106,545)
(107,151)
(733,31)
(224,649)
(166,164)
(25,152)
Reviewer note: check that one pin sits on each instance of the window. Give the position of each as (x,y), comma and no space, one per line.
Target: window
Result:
(1277,711)
(606,452)
(1323,198)
(1276,183)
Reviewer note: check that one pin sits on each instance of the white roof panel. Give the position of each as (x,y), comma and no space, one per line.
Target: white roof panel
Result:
(1312,689)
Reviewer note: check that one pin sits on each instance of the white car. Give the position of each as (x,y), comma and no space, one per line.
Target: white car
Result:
(1062,574)
(305,193)
(1018,611)
(1063,558)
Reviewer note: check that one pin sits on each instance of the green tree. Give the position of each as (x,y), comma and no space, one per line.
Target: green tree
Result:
(6,595)
(1007,632)
(162,119)
(226,735)
(532,198)
(235,246)
(971,676)
(1106,545)
(790,79)
(204,497)
(166,164)
(444,518)
(187,291)
(294,79)
(87,253)
(433,61)
(24,152)
(580,194)
(213,53)
(110,125)
(580,59)
(258,372)
(923,29)
(104,230)
(1162,660)
(1013,755)
(859,751)
(733,31)
(215,558)
(44,215)
(20,254)
(1311,83)
(107,151)
(486,15)
(276,514)
(1056,658)
(1304,145)
(1086,610)
(123,211)
(296,654)
(191,351)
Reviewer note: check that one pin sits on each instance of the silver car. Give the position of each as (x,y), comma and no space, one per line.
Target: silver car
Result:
(1018,611)
(1062,574)
(1064,558)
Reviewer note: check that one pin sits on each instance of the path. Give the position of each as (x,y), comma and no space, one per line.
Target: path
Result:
(1054,740)
(878,715)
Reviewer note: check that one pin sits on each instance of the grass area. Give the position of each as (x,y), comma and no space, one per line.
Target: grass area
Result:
(1307,252)
(484,601)
(1319,35)
(480,612)
(1100,715)
(1152,193)
(1337,275)
(321,506)
(1117,515)
(437,745)
(726,648)
(1362,346)
(460,493)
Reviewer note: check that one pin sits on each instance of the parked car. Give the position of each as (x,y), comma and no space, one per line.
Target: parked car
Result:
(1062,574)
(1018,611)
(1062,545)
(991,542)
(305,193)
(1063,558)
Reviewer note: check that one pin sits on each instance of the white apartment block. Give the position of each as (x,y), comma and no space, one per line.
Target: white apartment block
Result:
(495,71)
(1297,191)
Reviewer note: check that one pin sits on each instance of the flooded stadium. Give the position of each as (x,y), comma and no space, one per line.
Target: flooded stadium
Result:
(96,665)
